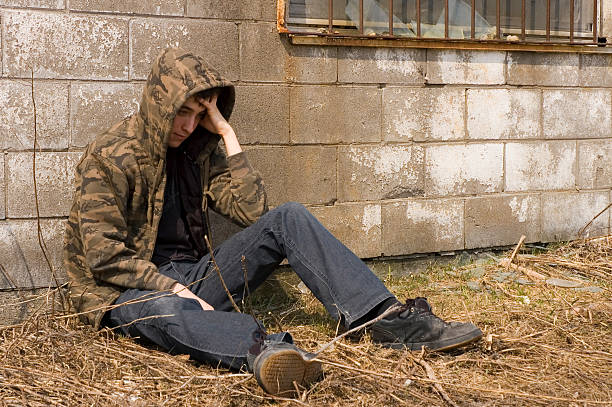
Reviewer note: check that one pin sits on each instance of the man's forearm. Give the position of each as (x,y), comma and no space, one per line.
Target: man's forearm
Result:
(232,146)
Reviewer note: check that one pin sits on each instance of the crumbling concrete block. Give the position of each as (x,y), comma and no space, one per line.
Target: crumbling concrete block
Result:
(594,164)
(468,67)
(543,69)
(422,226)
(463,169)
(540,166)
(503,113)
(155,7)
(577,113)
(501,220)
(215,41)
(379,172)
(356,225)
(565,213)
(423,114)
(64,46)
(381,65)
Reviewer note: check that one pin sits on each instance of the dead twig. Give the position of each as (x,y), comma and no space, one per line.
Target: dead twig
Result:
(516,249)
(585,227)
(216,267)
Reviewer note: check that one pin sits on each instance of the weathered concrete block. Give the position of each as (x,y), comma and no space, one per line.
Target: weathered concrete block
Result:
(543,69)
(261,114)
(501,220)
(381,65)
(607,20)
(266,57)
(64,46)
(503,113)
(463,169)
(423,114)
(17,306)
(17,126)
(577,113)
(51,4)
(215,41)
(379,172)
(358,226)
(300,173)
(470,67)
(95,107)
(565,213)
(156,7)
(233,10)
(596,70)
(54,181)
(540,165)
(422,226)
(326,114)
(594,164)
(27,267)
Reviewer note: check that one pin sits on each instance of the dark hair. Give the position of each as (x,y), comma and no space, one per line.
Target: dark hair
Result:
(207,93)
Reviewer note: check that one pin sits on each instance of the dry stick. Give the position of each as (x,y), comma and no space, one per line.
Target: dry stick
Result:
(248,293)
(432,375)
(389,311)
(584,228)
(516,249)
(216,267)
(41,241)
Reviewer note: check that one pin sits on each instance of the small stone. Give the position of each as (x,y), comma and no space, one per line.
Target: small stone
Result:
(557,282)
(524,281)
(589,289)
(303,289)
(503,276)
(477,272)
(474,285)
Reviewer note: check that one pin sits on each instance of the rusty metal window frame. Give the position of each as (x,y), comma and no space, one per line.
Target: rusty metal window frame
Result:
(328,33)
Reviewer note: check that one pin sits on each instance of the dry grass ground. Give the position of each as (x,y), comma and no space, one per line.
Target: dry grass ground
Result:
(543,345)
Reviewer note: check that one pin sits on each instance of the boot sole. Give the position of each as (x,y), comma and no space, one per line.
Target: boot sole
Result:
(279,370)
(438,346)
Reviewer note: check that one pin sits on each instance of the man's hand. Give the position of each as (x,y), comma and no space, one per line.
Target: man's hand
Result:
(216,123)
(183,292)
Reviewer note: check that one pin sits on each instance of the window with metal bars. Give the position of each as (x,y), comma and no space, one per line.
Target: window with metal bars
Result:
(569,22)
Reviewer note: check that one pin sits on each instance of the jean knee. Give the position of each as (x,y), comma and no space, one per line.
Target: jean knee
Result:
(293,208)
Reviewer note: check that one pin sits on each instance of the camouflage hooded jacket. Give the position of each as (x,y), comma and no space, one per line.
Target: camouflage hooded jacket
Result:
(120,181)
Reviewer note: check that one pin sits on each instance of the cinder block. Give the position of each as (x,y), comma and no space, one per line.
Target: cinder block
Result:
(607,21)
(233,10)
(565,213)
(156,7)
(358,226)
(64,46)
(594,164)
(463,169)
(503,113)
(267,57)
(54,181)
(215,41)
(381,65)
(469,67)
(261,114)
(17,306)
(540,166)
(596,70)
(17,126)
(24,260)
(379,172)
(501,220)
(95,107)
(577,113)
(543,69)
(51,4)
(423,114)
(422,226)
(305,174)
(330,114)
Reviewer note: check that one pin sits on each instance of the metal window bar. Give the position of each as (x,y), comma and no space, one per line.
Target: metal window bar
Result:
(498,35)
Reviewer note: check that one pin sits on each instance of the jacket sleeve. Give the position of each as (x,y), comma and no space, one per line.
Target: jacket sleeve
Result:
(103,202)
(235,189)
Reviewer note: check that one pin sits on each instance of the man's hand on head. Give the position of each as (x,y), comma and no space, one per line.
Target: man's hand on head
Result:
(183,292)
(213,121)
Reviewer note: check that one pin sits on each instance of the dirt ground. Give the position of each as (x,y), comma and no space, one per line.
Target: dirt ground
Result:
(547,322)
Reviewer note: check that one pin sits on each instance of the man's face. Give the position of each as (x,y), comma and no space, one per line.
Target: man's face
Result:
(186,121)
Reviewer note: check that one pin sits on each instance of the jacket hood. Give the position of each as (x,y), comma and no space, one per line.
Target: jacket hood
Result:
(175,76)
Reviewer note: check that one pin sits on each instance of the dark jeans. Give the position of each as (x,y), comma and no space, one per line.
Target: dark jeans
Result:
(338,278)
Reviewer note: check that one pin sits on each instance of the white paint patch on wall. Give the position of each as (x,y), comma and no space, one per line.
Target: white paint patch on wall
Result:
(440,216)
(387,162)
(519,209)
(372,218)
(390,61)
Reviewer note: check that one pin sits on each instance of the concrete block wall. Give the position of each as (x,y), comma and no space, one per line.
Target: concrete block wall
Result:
(397,151)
